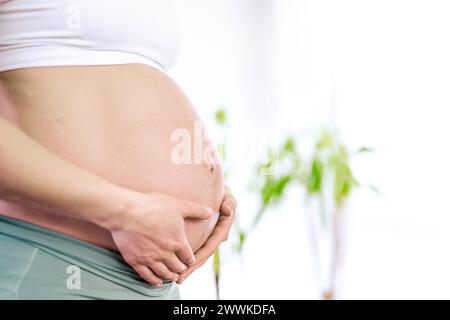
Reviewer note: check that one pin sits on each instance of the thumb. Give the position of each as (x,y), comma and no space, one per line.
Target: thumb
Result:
(195,210)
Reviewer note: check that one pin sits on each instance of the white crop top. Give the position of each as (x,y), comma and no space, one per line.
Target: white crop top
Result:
(37,33)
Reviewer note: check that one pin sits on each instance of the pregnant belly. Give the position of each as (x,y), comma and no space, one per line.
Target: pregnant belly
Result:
(130,124)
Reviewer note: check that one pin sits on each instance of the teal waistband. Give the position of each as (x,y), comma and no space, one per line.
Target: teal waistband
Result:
(102,262)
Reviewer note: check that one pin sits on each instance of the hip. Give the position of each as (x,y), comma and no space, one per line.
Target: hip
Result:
(37,263)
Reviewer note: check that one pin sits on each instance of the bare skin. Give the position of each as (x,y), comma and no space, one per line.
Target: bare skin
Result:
(101,169)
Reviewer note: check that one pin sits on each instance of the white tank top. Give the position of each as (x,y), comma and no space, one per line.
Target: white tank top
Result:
(37,33)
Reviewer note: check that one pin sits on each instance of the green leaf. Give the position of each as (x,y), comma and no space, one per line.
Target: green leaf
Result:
(365,150)
(242,238)
(221,116)
(272,191)
(314,180)
(221,150)
(216,263)
(344,182)
(289,146)
(326,139)
(330,159)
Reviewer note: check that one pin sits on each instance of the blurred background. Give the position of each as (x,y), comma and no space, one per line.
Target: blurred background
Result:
(377,73)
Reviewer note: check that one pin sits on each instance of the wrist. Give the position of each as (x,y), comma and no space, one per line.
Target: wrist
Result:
(116,207)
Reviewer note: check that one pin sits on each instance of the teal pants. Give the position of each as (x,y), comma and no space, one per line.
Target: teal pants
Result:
(37,263)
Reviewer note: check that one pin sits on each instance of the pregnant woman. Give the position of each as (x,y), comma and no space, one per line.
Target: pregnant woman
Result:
(94,200)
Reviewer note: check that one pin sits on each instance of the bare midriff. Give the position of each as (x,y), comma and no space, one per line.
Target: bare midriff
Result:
(118,122)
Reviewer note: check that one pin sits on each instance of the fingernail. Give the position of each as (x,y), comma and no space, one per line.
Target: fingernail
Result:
(159,285)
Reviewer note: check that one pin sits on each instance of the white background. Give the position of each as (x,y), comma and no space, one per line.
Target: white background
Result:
(378,69)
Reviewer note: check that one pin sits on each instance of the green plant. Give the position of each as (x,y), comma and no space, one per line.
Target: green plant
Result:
(220,118)
(323,173)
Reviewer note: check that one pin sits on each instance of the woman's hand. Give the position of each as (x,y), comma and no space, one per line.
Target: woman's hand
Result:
(219,234)
(152,239)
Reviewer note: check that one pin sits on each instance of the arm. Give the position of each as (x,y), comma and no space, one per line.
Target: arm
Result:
(33,175)
(148,229)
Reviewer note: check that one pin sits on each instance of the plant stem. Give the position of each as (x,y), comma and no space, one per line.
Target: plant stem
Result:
(216,267)
(217,280)
(329,293)
(314,244)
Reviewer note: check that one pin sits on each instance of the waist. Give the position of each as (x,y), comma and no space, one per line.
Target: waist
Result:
(50,256)
(58,243)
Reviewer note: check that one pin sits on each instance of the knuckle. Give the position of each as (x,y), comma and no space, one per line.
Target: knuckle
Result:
(190,261)
(180,268)
(178,245)
(163,274)
(138,268)
(159,255)
(173,245)
(156,268)
(131,260)
(145,260)
(148,262)
(175,265)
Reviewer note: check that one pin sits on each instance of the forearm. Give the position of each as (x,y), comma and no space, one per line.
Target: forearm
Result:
(33,175)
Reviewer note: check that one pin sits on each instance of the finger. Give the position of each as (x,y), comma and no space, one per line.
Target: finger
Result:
(234,202)
(229,204)
(217,237)
(161,270)
(227,207)
(231,196)
(185,254)
(148,275)
(191,269)
(195,210)
(183,276)
(174,263)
